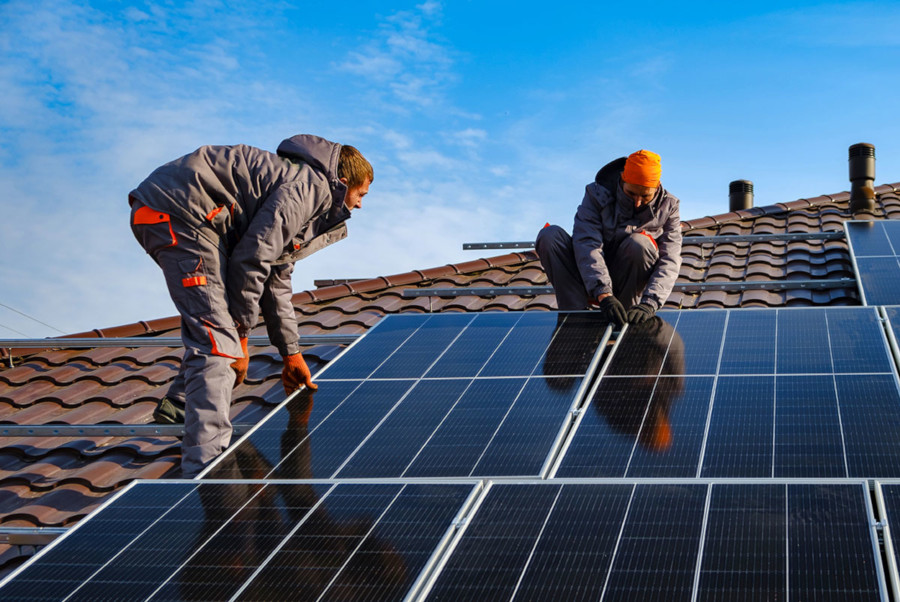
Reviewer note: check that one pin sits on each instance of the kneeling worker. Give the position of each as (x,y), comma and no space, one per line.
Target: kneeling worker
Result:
(226,224)
(625,251)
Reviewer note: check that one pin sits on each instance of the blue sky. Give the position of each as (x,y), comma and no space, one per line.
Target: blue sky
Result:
(483,120)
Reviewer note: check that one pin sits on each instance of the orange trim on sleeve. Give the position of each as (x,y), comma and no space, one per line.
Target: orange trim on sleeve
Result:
(146,215)
(195,281)
(652,239)
(214,213)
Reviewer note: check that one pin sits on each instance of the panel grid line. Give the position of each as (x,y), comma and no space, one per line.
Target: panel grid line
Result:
(612,560)
(362,540)
(458,399)
(775,395)
(699,565)
(449,345)
(837,398)
(128,545)
(310,433)
(650,399)
(712,396)
(499,426)
(787,542)
(537,540)
(280,545)
(371,433)
(224,524)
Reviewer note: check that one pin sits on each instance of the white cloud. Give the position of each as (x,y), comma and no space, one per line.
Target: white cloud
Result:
(406,59)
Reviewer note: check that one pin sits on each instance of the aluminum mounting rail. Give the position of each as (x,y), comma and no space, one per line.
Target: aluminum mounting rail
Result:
(102,430)
(92,343)
(30,536)
(733,238)
(525,291)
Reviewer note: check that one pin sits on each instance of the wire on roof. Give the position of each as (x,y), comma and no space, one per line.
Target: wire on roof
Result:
(31,318)
(10,328)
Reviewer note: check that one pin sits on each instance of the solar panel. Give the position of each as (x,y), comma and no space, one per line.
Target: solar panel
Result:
(249,540)
(442,395)
(672,541)
(875,247)
(744,394)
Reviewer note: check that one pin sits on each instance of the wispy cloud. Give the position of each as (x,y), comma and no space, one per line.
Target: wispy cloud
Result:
(406,59)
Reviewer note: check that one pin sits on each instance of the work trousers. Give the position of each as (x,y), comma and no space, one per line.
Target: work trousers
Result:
(194,268)
(630,265)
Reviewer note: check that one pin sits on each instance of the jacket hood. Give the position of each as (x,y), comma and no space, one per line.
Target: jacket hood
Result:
(318,153)
(608,176)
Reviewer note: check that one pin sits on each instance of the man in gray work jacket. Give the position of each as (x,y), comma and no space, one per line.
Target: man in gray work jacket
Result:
(226,224)
(625,251)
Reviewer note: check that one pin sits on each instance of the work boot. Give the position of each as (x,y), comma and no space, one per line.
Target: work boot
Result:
(169,411)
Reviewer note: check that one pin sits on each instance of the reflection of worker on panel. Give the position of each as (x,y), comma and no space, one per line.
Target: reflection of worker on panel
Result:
(642,408)
(316,553)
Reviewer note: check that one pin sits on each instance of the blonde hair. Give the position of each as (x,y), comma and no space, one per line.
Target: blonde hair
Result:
(353,166)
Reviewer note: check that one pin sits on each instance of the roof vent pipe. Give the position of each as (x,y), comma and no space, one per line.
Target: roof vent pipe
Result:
(862,177)
(740,195)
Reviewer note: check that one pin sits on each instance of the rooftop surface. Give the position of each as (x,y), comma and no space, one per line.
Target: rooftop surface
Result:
(55,482)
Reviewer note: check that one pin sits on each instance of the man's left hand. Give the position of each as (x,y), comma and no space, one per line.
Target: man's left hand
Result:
(640,313)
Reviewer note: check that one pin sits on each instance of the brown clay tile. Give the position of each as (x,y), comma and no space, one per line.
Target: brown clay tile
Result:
(368,286)
(57,357)
(163,325)
(24,373)
(145,356)
(37,413)
(719,273)
(28,394)
(137,413)
(102,355)
(404,279)
(438,272)
(717,299)
(467,303)
(61,507)
(476,265)
(89,413)
(131,391)
(760,298)
(763,271)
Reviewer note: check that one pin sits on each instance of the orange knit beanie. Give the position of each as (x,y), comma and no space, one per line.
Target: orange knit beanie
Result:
(642,169)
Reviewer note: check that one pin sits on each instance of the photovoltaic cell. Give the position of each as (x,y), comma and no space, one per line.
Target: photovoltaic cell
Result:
(664,541)
(745,549)
(741,428)
(749,347)
(822,403)
(460,420)
(808,437)
(870,414)
(831,549)
(249,541)
(875,251)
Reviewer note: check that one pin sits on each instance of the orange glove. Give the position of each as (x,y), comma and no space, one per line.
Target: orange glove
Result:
(240,366)
(296,374)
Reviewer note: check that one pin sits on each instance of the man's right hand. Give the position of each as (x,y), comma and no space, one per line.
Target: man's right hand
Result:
(613,310)
(296,374)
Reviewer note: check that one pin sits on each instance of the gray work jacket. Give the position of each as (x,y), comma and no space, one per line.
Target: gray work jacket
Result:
(603,220)
(268,210)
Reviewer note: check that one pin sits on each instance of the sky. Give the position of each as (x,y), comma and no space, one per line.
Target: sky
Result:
(483,120)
